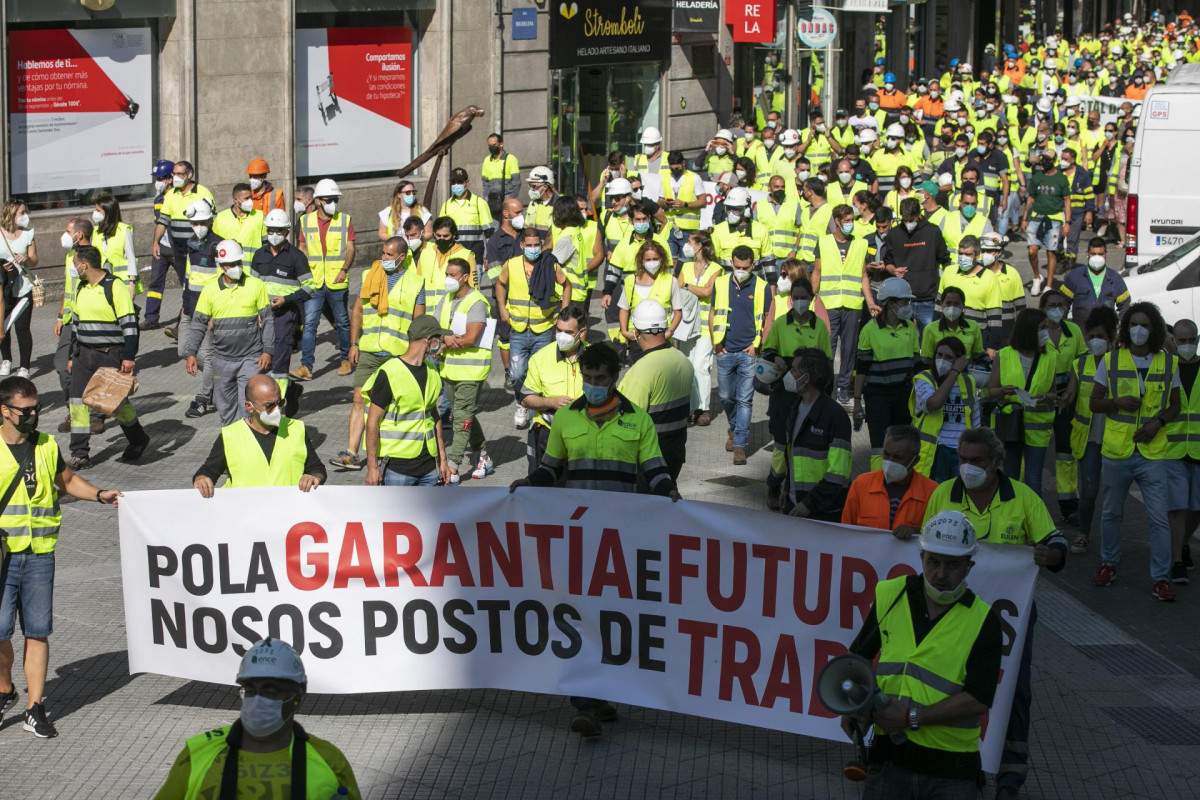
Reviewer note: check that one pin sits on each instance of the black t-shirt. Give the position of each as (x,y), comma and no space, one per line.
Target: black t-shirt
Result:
(215,465)
(382,396)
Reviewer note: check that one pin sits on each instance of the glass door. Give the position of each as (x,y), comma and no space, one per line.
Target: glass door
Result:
(565,125)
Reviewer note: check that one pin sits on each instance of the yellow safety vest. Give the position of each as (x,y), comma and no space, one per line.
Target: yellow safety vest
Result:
(841,280)
(687,219)
(432,266)
(688,271)
(721,307)
(70,287)
(248,465)
(247,230)
(576,268)
(660,290)
(1037,424)
(204,750)
(326,262)
(1120,426)
(388,333)
(524,312)
(31,523)
(1081,423)
(1183,432)
(470,214)
(724,239)
(470,363)
(408,424)
(921,675)
(552,373)
(930,423)
(781,223)
(954,231)
(113,251)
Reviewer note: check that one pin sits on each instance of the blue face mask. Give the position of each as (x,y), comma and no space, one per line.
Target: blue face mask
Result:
(409,199)
(981,149)
(533,253)
(847,228)
(457,189)
(596,395)
(641,227)
(968,211)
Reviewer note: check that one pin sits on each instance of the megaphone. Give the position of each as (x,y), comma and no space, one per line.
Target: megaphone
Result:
(847,685)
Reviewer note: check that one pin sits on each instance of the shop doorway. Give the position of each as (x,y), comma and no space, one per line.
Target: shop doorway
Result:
(595,110)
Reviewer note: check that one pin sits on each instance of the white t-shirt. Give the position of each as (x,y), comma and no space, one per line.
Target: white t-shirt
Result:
(16,245)
(954,412)
(385,216)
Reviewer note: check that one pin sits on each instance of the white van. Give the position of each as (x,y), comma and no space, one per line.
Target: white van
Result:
(1164,174)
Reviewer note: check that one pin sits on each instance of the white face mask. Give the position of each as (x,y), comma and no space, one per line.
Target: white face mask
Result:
(741,174)
(943,366)
(261,716)
(246,206)
(1139,334)
(720,151)
(564,341)
(845,177)
(414,243)
(790,384)
(1096,263)
(894,472)
(972,476)
(636,194)
(905,183)
(66,241)
(275,239)
(1097,346)
(688,250)
(97,216)
(734,217)
(1043,338)
(535,193)
(649,149)
(160,186)
(22,221)
(988,259)
(271,418)
(452,285)
(200,230)
(331,208)
(789,152)
(952,313)
(518,222)
(959,152)
(652,266)
(741,275)
(910,226)
(256,184)
(233,273)
(299,207)
(177,181)
(783,285)
(802,175)
(1186,351)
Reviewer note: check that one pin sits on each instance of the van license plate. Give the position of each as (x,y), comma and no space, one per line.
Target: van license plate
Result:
(1169,241)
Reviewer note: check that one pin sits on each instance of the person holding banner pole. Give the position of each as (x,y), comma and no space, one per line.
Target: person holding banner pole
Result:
(939,646)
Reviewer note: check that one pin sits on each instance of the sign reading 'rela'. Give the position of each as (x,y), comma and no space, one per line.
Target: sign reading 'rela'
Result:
(588,32)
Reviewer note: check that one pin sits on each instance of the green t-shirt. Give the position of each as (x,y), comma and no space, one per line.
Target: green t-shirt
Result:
(1048,192)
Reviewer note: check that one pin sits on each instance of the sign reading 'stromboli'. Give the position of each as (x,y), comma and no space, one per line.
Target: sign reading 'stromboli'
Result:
(584,32)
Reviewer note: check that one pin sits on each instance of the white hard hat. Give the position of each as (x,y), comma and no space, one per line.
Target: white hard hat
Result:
(789,137)
(1052,41)
(541,175)
(767,371)
(1116,49)
(649,316)
(893,289)
(728,178)
(738,197)
(229,252)
(277,218)
(725,134)
(951,104)
(272,658)
(199,211)
(1073,101)
(618,186)
(949,533)
(1044,104)
(327,187)
(1051,63)
(958,95)
(867,135)
(895,131)
(651,135)
(991,241)
(965,66)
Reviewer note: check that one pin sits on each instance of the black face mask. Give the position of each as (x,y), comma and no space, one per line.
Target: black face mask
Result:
(25,423)
(676,172)
(444,245)
(494,149)
(779,194)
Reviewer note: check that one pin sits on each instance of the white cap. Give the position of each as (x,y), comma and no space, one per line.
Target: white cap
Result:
(725,134)
(277,218)
(895,131)
(866,135)
(767,371)
(737,198)
(199,211)
(951,104)
(789,137)
(649,317)
(272,658)
(541,175)
(618,186)
(651,136)
(327,187)
(229,252)
(949,533)
(1051,63)
(894,288)
(991,241)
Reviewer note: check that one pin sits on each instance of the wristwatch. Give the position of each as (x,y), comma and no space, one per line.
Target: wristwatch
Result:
(913,722)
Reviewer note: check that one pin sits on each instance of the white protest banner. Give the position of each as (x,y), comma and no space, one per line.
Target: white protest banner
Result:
(692,607)
(81,108)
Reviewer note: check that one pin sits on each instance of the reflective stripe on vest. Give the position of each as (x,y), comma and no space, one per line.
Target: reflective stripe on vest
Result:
(524,312)
(1081,423)
(781,223)
(1120,426)
(1037,424)
(326,262)
(247,464)
(688,271)
(660,290)
(205,749)
(31,523)
(470,363)
(929,424)
(388,333)
(841,280)
(406,429)
(721,307)
(687,219)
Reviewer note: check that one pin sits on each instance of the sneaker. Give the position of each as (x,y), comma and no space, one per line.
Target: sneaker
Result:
(147,325)
(585,723)
(77,463)
(37,724)
(7,701)
(704,420)
(301,373)
(65,425)
(1162,592)
(172,332)
(483,467)
(1179,573)
(1036,287)
(455,480)
(843,397)
(136,447)
(1187,556)
(198,408)
(347,460)
(345,368)
(739,456)
(1105,575)
(5,368)
(22,373)
(521,418)
(96,426)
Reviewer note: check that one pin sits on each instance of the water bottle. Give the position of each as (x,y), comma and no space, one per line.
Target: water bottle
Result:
(341,794)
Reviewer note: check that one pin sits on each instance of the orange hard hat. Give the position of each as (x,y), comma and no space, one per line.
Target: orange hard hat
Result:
(258,166)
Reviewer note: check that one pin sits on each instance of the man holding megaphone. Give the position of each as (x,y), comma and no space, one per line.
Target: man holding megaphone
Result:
(939,663)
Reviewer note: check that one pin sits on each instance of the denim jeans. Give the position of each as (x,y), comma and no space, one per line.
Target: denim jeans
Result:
(1119,474)
(1089,486)
(393,478)
(735,384)
(522,345)
(336,299)
(1035,464)
(27,589)
(894,782)
(922,313)
(1011,214)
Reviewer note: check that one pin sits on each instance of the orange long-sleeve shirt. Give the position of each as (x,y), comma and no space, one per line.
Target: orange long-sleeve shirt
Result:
(868,503)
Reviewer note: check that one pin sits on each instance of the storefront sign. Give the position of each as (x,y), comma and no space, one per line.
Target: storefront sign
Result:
(697,16)
(751,20)
(353,100)
(586,32)
(81,108)
(817,28)
(875,6)
(524,23)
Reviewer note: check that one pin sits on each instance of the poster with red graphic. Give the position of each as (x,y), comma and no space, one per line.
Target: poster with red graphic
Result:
(354,100)
(80,108)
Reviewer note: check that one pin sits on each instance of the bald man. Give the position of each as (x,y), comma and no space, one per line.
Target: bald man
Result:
(264,448)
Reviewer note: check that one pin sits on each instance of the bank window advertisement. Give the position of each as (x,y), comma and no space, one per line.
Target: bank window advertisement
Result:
(354,100)
(81,109)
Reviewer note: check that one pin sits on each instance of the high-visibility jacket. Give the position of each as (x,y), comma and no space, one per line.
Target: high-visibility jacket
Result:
(819,152)
(885,163)
(783,224)
(813,225)
(267,198)
(112,248)
(841,279)
(432,266)
(930,423)
(206,749)
(470,363)
(1037,424)
(552,373)
(472,216)
(660,291)
(500,175)
(721,308)
(31,523)
(408,427)
(688,271)
(1183,432)
(585,242)
(70,286)
(953,229)
(661,383)
(886,355)
(243,325)
(755,235)
(818,454)
(1081,423)
(524,312)
(981,299)
(248,465)
(248,230)
(1120,426)
(202,266)
(835,195)
(388,333)
(686,219)
(921,675)
(966,331)
(104,313)
(328,260)
(624,254)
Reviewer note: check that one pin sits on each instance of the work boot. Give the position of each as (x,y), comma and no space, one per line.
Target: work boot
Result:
(137,446)
(739,456)
(585,723)
(729,442)
(345,368)
(704,420)
(172,332)
(147,325)
(97,425)
(301,373)
(65,425)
